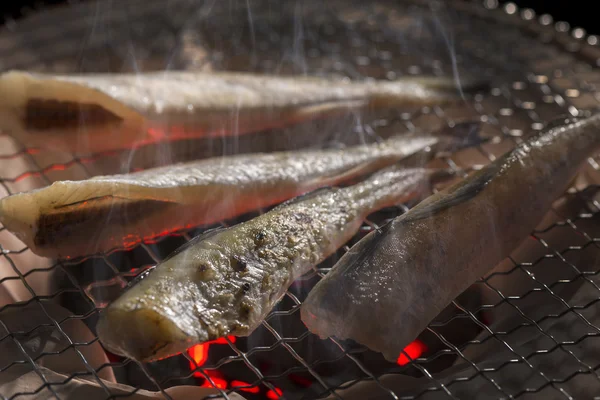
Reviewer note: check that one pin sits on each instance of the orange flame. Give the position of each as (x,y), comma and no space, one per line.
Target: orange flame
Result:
(413,350)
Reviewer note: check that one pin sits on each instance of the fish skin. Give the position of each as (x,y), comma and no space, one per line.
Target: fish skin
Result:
(394,281)
(226,281)
(77,218)
(103,112)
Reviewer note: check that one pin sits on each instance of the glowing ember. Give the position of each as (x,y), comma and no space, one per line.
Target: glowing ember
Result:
(274,395)
(199,353)
(413,350)
(222,340)
(216,378)
(244,387)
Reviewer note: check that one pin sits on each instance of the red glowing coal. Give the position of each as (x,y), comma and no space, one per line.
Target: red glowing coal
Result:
(411,352)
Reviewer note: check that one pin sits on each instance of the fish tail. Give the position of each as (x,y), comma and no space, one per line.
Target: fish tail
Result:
(424,91)
(466,84)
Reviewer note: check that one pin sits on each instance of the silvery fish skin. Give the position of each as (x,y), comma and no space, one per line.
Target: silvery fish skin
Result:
(76,218)
(101,112)
(225,282)
(394,281)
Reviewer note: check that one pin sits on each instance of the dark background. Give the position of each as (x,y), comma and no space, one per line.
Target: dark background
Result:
(578,13)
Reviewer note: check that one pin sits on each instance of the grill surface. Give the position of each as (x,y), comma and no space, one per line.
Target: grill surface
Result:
(530,329)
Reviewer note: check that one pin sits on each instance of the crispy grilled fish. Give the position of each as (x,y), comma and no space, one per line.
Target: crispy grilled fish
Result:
(387,288)
(76,218)
(100,112)
(226,281)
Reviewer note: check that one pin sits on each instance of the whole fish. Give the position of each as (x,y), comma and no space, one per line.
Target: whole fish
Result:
(226,281)
(75,218)
(394,281)
(100,112)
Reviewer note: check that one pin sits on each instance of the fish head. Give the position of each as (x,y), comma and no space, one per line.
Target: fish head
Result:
(200,293)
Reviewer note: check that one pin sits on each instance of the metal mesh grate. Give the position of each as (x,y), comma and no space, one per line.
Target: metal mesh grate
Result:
(530,328)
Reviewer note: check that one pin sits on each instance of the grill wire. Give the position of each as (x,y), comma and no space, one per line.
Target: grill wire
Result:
(540,69)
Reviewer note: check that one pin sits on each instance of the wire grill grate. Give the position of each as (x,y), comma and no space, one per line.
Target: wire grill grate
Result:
(534,327)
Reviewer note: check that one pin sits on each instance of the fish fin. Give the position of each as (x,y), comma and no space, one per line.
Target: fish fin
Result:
(196,239)
(305,196)
(461,192)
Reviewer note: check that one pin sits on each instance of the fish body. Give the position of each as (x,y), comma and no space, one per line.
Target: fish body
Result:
(76,218)
(101,112)
(226,281)
(394,281)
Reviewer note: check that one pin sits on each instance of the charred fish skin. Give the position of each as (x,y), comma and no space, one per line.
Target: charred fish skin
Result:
(394,281)
(70,219)
(102,112)
(226,281)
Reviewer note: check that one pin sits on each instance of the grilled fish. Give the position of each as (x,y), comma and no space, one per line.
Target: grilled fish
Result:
(226,281)
(100,112)
(75,218)
(387,288)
